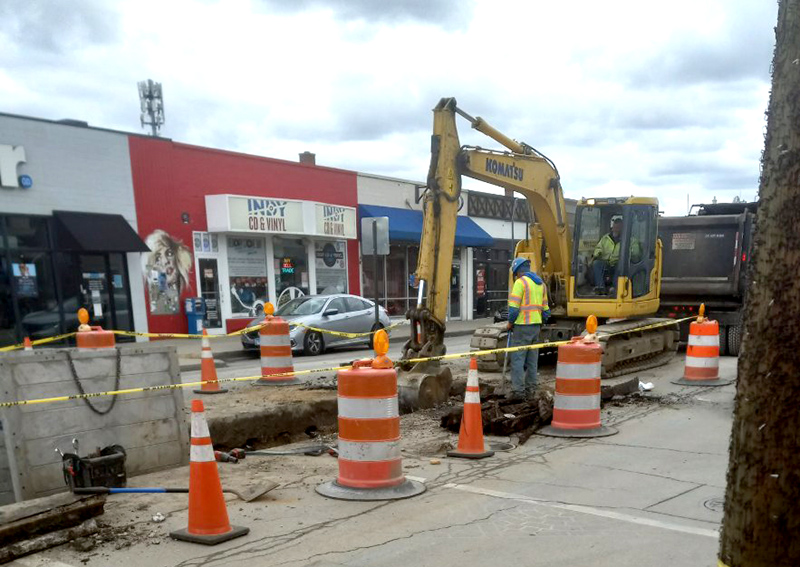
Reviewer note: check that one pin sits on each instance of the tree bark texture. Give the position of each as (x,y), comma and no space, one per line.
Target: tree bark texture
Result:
(761,526)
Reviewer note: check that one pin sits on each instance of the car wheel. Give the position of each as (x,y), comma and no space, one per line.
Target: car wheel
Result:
(375,327)
(313,344)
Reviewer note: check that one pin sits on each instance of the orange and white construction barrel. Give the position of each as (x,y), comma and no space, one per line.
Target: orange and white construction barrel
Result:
(576,408)
(702,354)
(370,463)
(276,351)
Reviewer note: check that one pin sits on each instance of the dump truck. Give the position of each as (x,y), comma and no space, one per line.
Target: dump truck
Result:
(705,258)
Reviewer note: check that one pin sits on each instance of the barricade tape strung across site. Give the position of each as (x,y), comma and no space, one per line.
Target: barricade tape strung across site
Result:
(38,342)
(344,334)
(317,370)
(165,387)
(196,336)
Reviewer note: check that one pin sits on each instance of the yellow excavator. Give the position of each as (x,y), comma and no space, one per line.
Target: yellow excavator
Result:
(622,301)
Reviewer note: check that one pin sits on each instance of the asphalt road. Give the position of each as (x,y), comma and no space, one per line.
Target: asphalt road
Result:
(333,357)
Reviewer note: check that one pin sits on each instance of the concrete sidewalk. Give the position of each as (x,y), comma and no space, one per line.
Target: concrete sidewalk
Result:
(650,495)
(230,348)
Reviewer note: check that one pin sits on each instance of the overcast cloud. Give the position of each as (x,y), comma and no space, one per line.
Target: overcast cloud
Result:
(627,97)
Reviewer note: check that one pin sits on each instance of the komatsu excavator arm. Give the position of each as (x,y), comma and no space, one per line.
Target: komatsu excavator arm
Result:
(521,169)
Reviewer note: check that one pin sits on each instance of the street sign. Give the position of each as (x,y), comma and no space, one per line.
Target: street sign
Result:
(379,227)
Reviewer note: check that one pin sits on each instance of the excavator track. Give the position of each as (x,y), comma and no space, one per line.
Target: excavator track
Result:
(625,349)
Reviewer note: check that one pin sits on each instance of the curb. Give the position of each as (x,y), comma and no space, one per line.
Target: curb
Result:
(196,367)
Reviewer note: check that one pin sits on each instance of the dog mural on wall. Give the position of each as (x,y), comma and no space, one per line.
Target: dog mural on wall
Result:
(166,270)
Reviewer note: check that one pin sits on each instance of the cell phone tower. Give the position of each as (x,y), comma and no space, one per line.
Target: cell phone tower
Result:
(151,98)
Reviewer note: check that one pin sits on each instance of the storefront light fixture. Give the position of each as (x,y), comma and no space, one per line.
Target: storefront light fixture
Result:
(185,218)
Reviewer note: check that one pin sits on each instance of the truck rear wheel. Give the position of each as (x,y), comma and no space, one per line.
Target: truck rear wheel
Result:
(723,341)
(734,339)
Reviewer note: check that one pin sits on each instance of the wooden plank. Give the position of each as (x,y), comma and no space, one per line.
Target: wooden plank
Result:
(48,540)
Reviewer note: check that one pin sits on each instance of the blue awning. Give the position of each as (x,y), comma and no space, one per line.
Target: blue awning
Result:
(406,225)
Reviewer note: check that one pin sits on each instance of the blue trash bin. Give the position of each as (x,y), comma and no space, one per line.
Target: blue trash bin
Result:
(195,313)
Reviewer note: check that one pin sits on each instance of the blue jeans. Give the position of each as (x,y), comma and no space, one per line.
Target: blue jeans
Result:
(524,363)
(601,268)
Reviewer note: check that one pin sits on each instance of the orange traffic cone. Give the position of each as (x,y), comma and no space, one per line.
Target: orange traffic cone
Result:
(208,515)
(208,372)
(470,438)
(27,344)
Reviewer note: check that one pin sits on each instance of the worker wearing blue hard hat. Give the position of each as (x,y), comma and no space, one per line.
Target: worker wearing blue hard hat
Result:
(527,310)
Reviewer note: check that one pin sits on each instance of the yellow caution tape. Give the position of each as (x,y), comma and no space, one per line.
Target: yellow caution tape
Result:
(487,352)
(344,334)
(38,342)
(720,563)
(165,387)
(187,336)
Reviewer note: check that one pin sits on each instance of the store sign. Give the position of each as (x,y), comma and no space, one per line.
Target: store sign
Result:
(236,213)
(269,216)
(336,221)
(10,158)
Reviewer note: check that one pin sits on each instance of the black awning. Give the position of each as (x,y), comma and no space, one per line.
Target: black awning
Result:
(96,232)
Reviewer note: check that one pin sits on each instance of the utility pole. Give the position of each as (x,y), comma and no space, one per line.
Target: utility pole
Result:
(151,100)
(761,526)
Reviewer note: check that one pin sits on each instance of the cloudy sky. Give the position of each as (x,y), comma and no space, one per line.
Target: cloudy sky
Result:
(627,97)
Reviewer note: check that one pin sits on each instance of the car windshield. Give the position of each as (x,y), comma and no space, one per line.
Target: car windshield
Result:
(302,306)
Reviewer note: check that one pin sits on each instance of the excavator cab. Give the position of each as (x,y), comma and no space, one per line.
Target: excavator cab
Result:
(615,256)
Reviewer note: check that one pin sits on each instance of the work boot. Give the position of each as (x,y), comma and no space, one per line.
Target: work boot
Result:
(515,397)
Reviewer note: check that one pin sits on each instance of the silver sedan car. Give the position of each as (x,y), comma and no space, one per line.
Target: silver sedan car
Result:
(338,312)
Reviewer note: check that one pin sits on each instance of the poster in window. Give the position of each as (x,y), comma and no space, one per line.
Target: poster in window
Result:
(25,280)
(331,266)
(247,271)
(166,268)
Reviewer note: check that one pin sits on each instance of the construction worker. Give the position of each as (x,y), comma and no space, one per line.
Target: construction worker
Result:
(606,255)
(527,310)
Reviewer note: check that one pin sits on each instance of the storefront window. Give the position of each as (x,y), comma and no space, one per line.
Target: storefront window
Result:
(26,232)
(370,279)
(7,328)
(331,265)
(32,283)
(291,268)
(247,271)
(396,280)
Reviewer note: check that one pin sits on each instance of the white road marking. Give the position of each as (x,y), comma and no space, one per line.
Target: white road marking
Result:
(588,510)
(416,478)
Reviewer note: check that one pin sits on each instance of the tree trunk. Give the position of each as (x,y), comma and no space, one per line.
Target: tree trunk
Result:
(761,526)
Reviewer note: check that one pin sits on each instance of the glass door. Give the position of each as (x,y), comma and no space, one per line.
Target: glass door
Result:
(121,289)
(209,290)
(95,290)
(455,291)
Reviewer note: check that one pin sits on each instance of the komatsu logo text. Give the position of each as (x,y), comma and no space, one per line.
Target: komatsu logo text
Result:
(504,169)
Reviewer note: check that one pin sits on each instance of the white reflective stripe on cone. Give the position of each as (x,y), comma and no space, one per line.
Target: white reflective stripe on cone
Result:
(368,408)
(577,402)
(372,451)
(472,398)
(206,354)
(204,342)
(472,378)
(573,371)
(199,426)
(704,340)
(273,340)
(201,454)
(702,362)
(276,362)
